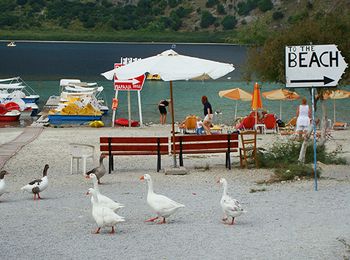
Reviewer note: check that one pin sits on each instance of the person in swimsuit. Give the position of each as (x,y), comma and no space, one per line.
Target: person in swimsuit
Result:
(162,110)
(208,115)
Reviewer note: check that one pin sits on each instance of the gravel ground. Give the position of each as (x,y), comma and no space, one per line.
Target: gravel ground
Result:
(287,221)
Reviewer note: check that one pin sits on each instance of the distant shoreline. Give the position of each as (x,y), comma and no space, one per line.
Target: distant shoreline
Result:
(128,42)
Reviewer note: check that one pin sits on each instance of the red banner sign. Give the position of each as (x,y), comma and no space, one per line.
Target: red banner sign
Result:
(129,84)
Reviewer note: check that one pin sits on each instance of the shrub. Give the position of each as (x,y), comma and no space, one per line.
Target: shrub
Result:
(229,22)
(277,15)
(220,9)
(284,158)
(207,19)
(265,5)
(211,3)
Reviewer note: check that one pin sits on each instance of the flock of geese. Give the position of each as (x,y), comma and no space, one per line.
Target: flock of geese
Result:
(104,209)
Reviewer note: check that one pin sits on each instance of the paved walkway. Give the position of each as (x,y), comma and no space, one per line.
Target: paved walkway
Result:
(7,150)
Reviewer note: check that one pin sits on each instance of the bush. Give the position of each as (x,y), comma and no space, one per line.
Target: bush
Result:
(220,9)
(277,15)
(229,22)
(211,3)
(265,5)
(284,158)
(244,8)
(207,19)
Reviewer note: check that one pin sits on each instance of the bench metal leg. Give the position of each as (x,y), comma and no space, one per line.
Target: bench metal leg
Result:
(159,166)
(109,164)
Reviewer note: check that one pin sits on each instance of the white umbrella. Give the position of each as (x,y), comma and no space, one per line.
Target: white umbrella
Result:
(171,66)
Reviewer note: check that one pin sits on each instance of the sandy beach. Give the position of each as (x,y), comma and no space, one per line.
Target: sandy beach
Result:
(287,221)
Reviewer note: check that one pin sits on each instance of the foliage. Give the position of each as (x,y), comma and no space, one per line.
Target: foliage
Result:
(207,19)
(211,3)
(229,22)
(220,9)
(244,8)
(283,157)
(283,154)
(265,5)
(267,60)
(277,15)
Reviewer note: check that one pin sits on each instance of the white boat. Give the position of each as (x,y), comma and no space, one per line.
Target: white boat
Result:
(84,91)
(11,44)
(16,88)
(78,102)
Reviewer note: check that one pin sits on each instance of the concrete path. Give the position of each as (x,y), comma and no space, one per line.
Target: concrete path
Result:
(9,149)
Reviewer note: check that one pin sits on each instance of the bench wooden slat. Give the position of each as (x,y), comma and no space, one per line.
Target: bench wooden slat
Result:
(208,151)
(134,148)
(136,140)
(199,138)
(206,146)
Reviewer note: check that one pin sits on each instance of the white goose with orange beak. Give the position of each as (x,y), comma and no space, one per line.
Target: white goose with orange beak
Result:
(231,207)
(162,205)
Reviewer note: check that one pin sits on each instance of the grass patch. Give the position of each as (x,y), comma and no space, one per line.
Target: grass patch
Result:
(283,157)
(257,190)
(204,168)
(114,36)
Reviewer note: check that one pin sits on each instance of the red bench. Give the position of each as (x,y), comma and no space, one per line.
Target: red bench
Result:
(216,143)
(118,146)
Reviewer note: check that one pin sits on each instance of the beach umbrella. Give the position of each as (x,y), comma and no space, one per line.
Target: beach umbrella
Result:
(280,94)
(256,100)
(171,66)
(236,94)
(336,94)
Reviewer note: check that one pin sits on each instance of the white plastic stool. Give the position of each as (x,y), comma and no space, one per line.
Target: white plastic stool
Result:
(81,151)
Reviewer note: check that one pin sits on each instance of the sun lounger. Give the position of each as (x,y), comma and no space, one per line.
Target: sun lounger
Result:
(189,124)
(339,126)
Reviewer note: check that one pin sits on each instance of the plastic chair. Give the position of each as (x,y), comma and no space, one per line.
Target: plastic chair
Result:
(83,152)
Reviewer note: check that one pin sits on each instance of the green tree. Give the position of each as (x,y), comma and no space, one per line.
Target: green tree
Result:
(265,5)
(207,19)
(229,22)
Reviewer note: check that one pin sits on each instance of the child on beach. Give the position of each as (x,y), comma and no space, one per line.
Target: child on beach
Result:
(199,126)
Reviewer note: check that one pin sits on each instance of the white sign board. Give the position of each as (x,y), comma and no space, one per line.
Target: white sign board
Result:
(313,66)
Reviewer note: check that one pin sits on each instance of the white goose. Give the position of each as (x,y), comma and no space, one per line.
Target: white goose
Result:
(104,216)
(103,200)
(162,205)
(2,182)
(38,185)
(230,207)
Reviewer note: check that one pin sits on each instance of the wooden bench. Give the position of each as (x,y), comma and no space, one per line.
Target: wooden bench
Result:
(117,146)
(216,143)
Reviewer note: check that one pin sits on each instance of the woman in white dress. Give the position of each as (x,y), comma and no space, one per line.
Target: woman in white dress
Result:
(303,117)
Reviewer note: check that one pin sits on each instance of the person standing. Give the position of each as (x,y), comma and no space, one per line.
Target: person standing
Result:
(208,115)
(303,117)
(162,110)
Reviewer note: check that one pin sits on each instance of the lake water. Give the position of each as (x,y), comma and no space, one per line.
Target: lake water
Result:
(42,65)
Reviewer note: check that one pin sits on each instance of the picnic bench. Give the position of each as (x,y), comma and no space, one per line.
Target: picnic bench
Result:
(198,144)
(119,146)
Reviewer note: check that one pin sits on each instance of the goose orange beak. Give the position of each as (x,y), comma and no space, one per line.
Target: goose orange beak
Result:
(142,178)
(87,177)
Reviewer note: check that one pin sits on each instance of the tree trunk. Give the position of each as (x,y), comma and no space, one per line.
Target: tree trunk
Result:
(305,144)
(324,122)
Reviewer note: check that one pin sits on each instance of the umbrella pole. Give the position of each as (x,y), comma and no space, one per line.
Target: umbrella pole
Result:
(235,112)
(281,109)
(172,121)
(334,111)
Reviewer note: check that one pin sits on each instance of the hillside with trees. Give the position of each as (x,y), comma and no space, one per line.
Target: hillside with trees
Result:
(266,25)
